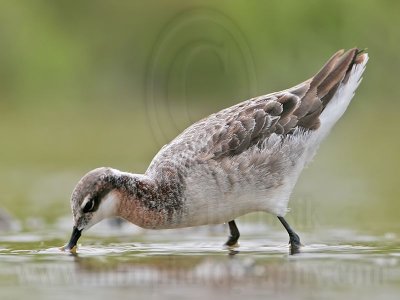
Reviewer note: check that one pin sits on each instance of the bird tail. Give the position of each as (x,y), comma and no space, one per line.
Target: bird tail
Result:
(331,89)
(336,72)
(327,84)
(337,82)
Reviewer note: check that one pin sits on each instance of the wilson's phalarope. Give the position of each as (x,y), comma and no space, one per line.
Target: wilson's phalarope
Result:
(243,159)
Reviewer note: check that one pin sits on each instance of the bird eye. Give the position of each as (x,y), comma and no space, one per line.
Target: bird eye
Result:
(88,206)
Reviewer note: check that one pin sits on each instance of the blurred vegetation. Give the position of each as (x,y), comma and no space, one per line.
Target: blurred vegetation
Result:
(94,83)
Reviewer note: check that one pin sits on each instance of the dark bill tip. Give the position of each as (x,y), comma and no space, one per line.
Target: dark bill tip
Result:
(76,234)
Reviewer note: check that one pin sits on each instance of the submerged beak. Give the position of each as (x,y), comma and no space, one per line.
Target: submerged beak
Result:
(71,246)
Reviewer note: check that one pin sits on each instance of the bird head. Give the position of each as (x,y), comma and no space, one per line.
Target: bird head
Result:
(93,199)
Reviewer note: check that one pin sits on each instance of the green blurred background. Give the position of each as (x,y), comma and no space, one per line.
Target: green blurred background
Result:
(85,84)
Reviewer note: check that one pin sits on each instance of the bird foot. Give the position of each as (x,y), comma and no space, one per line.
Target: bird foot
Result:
(295,244)
(232,243)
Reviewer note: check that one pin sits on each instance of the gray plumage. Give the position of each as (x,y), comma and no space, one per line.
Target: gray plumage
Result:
(242,159)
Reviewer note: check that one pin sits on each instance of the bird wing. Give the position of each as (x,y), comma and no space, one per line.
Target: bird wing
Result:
(238,128)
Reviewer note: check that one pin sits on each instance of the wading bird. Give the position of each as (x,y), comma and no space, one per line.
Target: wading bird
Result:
(243,159)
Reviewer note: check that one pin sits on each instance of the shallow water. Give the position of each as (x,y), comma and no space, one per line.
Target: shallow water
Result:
(177,264)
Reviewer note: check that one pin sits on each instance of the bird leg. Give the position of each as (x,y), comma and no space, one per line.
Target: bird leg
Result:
(234,234)
(294,238)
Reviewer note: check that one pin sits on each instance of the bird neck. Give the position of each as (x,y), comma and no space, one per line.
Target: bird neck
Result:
(138,196)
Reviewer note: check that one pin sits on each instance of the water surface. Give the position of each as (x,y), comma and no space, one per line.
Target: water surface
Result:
(178,264)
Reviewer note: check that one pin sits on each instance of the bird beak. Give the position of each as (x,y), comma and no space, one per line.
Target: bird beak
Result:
(71,246)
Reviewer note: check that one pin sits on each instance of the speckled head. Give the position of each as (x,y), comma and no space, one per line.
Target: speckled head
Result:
(93,199)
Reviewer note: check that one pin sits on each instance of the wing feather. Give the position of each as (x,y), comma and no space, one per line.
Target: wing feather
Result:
(251,122)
